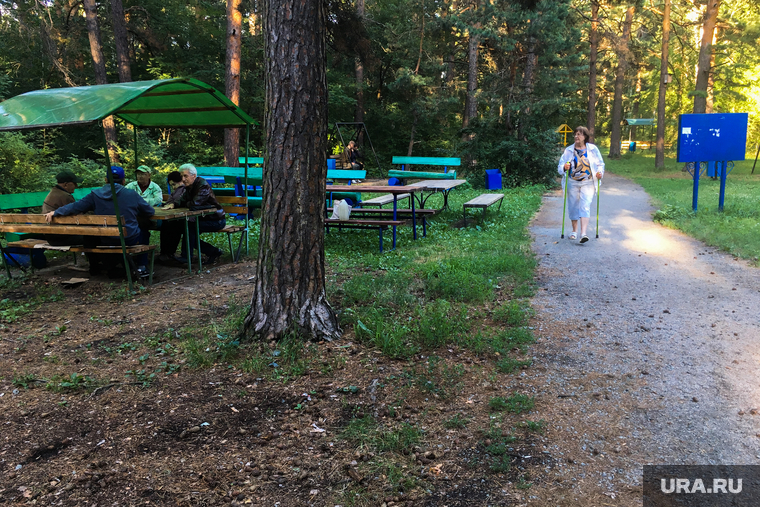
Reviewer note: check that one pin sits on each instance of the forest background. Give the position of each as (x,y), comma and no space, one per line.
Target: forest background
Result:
(486,80)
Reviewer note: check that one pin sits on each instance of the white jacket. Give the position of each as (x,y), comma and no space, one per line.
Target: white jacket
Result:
(595,160)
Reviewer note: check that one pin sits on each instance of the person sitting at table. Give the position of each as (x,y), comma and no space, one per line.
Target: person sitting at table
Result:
(101,201)
(198,196)
(61,195)
(176,186)
(145,188)
(353,155)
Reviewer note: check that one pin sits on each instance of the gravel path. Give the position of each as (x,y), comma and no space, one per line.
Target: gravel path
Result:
(649,352)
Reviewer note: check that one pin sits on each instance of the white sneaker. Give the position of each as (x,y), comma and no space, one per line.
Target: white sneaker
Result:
(573,235)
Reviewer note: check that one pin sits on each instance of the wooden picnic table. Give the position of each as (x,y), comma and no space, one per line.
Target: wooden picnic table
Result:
(179,214)
(385,189)
(435,186)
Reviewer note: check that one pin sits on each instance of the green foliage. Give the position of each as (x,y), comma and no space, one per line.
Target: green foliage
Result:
(73,382)
(513,313)
(27,380)
(509,365)
(23,165)
(517,403)
(367,432)
(456,422)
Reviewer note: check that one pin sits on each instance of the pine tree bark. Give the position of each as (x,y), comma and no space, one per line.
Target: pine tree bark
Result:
(705,53)
(617,104)
(531,62)
(632,131)
(659,157)
(471,104)
(593,48)
(99,67)
(120,41)
(289,294)
(232,77)
(359,73)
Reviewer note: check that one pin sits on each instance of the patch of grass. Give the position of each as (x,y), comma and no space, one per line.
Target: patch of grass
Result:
(458,421)
(437,378)
(73,382)
(514,313)
(517,403)
(13,309)
(367,432)
(509,365)
(438,323)
(535,426)
(391,334)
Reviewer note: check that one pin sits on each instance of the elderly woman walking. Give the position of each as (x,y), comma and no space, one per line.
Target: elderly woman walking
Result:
(584,166)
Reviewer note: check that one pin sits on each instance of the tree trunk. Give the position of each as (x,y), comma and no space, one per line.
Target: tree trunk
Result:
(359,111)
(470,104)
(531,61)
(99,66)
(594,46)
(659,157)
(232,78)
(705,52)
(415,117)
(289,294)
(617,104)
(636,103)
(120,41)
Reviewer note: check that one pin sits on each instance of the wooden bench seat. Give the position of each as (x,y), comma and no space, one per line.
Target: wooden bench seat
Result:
(353,223)
(235,206)
(482,201)
(384,199)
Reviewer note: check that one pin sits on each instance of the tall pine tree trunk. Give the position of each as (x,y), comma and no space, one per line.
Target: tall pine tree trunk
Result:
(289,293)
(636,104)
(359,70)
(232,77)
(659,157)
(705,53)
(594,46)
(471,104)
(120,41)
(99,67)
(531,62)
(617,104)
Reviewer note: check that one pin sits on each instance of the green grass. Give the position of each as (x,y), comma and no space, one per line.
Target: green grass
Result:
(517,403)
(367,432)
(735,230)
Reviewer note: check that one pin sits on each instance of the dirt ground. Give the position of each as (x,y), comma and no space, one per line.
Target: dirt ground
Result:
(646,353)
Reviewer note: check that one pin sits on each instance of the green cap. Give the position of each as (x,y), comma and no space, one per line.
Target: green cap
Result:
(143,169)
(68,177)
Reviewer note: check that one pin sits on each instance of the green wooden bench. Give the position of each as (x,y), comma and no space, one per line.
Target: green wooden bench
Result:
(444,162)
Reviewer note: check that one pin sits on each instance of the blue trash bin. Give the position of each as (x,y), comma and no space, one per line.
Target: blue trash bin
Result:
(493,179)
(632,146)
(330,164)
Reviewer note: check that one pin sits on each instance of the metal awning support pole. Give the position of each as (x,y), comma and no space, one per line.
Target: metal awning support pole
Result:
(245,191)
(134,127)
(116,210)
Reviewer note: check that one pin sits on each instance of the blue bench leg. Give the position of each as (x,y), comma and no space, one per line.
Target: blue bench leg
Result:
(424,227)
(240,245)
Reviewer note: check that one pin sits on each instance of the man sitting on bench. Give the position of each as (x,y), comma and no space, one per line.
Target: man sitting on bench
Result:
(198,195)
(61,195)
(100,200)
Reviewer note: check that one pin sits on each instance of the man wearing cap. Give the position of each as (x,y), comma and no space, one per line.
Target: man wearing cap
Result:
(60,195)
(145,188)
(100,200)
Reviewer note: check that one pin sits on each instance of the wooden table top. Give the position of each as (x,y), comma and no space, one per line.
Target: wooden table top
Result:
(438,184)
(405,189)
(171,214)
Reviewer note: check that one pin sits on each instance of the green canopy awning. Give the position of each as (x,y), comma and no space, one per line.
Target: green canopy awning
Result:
(639,121)
(179,103)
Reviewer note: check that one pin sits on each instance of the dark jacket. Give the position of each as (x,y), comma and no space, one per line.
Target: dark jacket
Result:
(56,198)
(176,195)
(100,200)
(200,195)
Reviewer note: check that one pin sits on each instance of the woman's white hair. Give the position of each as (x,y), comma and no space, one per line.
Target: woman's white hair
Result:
(190,168)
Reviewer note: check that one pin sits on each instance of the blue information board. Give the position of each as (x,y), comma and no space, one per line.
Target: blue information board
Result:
(713,137)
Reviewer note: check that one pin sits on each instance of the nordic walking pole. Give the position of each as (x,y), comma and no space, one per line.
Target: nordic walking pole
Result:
(598,184)
(564,204)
